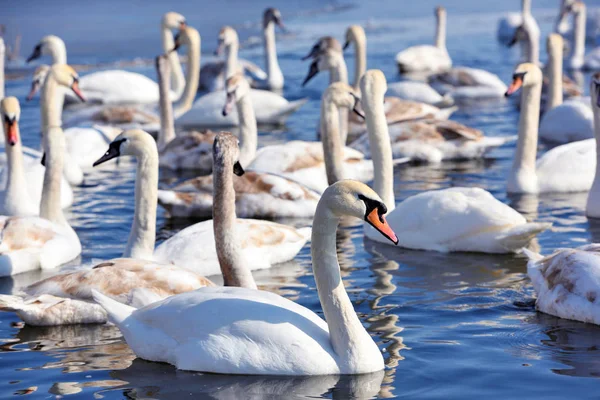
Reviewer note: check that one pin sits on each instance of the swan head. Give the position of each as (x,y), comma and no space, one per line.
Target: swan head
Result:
(227,37)
(373,84)
(186,37)
(439,11)
(272,15)
(39,76)
(46,46)
(595,91)
(354,34)
(132,142)
(236,87)
(11,112)
(329,59)
(322,45)
(343,95)
(66,76)
(355,199)
(554,43)
(173,20)
(226,153)
(526,75)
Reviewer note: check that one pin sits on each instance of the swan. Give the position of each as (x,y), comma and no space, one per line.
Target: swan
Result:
(65,298)
(563,122)
(116,86)
(566,168)
(270,108)
(214,74)
(592,23)
(407,90)
(578,59)
(478,221)
(592,208)
(128,116)
(327,56)
(272,335)
(526,31)
(567,282)
(192,248)
(468,84)
(46,241)
(428,58)
(258,194)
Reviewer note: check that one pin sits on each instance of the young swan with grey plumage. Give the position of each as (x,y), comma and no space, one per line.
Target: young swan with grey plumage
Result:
(232,330)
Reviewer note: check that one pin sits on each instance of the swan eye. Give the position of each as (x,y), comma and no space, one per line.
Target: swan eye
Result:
(373,205)
(519,75)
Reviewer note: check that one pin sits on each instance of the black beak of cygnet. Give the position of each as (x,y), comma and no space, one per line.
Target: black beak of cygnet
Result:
(237,169)
(314,70)
(596,79)
(37,53)
(357,110)
(114,151)
(177,43)
(314,52)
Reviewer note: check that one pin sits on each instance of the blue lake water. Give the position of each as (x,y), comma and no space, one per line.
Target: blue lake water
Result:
(450,326)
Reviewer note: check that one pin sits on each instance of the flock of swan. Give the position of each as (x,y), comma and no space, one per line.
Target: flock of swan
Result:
(160,297)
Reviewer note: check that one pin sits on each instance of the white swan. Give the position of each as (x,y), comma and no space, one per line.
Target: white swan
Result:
(527,33)
(303,161)
(427,58)
(563,122)
(192,248)
(476,221)
(253,319)
(464,84)
(47,241)
(564,28)
(578,59)
(592,208)
(566,168)
(270,108)
(116,86)
(258,194)
(567,282)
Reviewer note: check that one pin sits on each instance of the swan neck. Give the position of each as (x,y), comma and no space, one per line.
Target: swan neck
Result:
(53,143)
(526,153)
(332,142)
(16,189)
(526,7)
(192,78)
(596,185)
(2,58)
(167,122)
(233,266)
(339,72)
(578,55)
(177,77)
(58,51)
(231,59)
(274,74)
(360,60)
(143,230)
(51,104)
(381,149)
(440,32)
(248,130)
(555,73)
(348,337)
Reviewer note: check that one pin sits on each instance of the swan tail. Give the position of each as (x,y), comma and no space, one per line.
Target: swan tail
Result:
(168,198)
(446,102)
(11,303)
(532,255)
(305,232)
(520,236)
(401,160)
(491,142)
(289,109)
(117,312)
(445,113)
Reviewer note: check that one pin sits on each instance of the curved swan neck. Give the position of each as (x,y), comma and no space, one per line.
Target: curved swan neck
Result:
(381,149)
(360,57)
(332,141)
(248,130)
(231,59)
(526,153)
(58,51)
(16,189)
(274,74)
(229,253)
(192,78)
(2,55)
(348,337)
(578,55)
(177,77)
(167,127)
(440,31)
(555,73)
(143,230)
(339,71)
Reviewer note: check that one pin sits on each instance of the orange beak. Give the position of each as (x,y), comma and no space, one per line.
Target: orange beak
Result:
(75,89)
(514,86)
(378,222)
(11,132)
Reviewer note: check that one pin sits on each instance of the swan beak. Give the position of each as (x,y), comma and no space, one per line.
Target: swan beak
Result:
(177,43)
(515,85)
(597,87)
(34,88)
(378,222)
(314,70)
(237,169)
(43,160)
(356,107)
(228,104)
(75,89)
(346,44)
(113,152)
(182,25)
(11,131)
(37,53)
(314,52)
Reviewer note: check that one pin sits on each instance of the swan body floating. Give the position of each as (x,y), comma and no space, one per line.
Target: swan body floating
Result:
(46,241)
(566,168)
(419,92)
(216,317)
(427,58)
(464,84)
(258,194)
(592,208)
(567,282)
(479,222)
